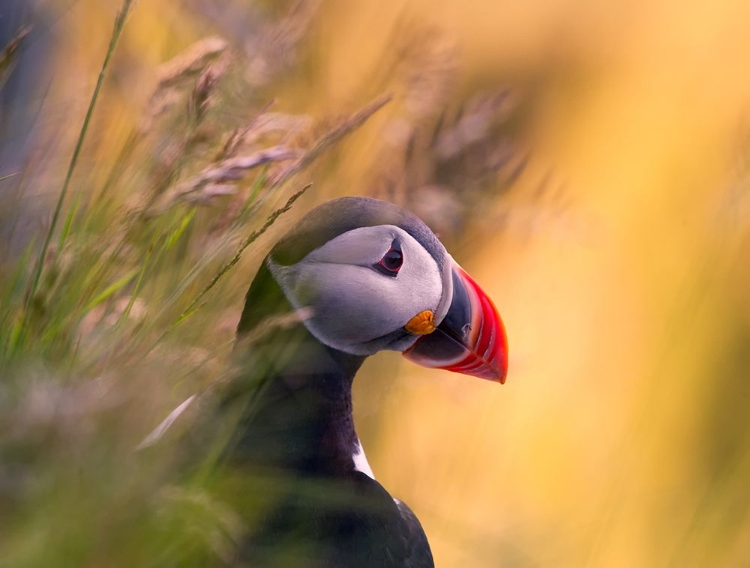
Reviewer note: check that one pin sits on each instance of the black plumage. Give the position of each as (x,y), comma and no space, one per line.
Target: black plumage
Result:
(292,399)
(296,422)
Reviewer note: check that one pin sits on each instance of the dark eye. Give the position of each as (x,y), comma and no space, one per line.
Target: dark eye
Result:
(391,262)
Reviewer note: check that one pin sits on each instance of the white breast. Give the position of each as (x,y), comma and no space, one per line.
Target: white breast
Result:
(360,461)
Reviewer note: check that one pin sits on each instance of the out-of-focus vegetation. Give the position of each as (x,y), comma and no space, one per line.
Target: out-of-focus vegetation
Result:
(586,161)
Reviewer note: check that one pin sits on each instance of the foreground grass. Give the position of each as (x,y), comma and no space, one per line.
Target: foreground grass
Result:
(120,309)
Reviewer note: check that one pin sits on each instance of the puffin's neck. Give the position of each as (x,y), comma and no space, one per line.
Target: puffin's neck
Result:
(300,418)
(299,413)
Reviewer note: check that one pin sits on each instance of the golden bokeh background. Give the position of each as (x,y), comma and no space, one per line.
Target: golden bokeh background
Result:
(622,435)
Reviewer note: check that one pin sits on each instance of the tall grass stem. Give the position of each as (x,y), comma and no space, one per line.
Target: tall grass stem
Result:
(117,30)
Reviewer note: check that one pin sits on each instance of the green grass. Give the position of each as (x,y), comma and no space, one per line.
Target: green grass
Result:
(93,353)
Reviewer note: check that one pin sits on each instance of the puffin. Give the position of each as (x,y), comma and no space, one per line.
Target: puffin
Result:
(354,277)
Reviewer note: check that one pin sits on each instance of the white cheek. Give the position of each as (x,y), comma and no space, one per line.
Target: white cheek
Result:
(419,281)
(353,304)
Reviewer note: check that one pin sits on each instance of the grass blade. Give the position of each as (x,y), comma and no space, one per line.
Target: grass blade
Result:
(119,25)
(236,258)
(112,289)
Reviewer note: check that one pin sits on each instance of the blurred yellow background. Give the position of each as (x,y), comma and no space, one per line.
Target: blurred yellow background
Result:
(622,435)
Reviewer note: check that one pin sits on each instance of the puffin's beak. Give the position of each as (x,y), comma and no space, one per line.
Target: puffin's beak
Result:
(471,338)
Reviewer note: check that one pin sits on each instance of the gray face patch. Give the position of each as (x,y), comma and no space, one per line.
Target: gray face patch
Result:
(356,308)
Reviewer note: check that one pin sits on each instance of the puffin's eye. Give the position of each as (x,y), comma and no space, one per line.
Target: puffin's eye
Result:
(391,262)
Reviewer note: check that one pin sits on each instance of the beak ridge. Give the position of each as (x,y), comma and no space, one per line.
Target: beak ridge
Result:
(470,340)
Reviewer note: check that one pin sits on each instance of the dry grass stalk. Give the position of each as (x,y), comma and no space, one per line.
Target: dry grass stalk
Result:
(9,52)
(287,125)
(431,69)
(203,59)
(219,179)
(265,123)
(157,433)
(205,86)
(239,135)
(273,48)
(343,128)
(241,249)
(190,63)
(445,164)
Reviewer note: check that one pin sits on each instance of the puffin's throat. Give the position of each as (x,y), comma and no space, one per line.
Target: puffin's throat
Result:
(297,404)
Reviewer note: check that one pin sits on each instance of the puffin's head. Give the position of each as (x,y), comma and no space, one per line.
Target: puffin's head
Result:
(373,276)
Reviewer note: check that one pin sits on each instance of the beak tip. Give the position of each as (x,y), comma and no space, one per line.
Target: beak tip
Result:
(482,351)
(498,370)
(502,374)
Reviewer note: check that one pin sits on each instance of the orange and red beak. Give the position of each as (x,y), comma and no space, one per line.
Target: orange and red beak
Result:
(471,338)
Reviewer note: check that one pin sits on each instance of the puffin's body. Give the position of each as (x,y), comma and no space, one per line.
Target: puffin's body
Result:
(355,277)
